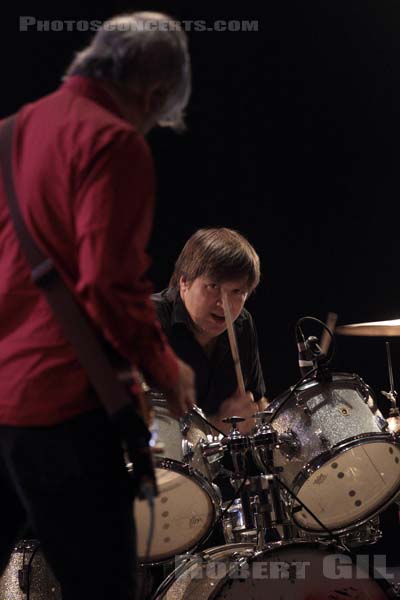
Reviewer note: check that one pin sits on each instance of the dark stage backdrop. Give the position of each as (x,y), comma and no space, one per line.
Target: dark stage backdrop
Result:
(292,139)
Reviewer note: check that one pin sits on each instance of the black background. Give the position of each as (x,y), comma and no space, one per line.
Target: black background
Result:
(293,139)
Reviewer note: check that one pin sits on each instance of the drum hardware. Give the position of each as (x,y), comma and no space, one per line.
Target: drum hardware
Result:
(264,441)
(213,453)
(260,504)
(393,419)
(234,527)
(369,534)
(311,357)
(248,515)
(365,535)
(258,511)
(305,408)
(212,450)
(238,446)
(289,443)
(324,441)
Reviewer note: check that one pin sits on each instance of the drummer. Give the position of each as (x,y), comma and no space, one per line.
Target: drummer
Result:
(191,313)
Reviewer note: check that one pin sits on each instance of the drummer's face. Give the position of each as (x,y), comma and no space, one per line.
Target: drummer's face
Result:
(202,298)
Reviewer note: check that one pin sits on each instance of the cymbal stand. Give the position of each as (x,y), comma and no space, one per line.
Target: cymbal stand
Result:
(394,414)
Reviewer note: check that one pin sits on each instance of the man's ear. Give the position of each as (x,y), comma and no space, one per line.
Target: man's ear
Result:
(183,283)
(154,98)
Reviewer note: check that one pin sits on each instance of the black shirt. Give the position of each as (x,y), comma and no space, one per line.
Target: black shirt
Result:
(215,375)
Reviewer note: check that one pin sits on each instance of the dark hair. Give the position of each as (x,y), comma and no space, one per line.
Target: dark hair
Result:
(220,253)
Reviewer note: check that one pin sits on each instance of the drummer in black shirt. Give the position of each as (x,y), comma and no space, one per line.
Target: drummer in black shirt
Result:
(192,316)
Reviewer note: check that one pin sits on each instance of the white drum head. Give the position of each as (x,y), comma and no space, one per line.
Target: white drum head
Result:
(294,571)
(298,573)
(350,487)
(184,513)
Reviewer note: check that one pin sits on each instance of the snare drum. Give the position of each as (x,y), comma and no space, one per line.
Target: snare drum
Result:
(188,504)
(336,453)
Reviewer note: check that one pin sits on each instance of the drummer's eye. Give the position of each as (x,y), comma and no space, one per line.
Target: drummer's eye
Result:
(238,292)
(212,286)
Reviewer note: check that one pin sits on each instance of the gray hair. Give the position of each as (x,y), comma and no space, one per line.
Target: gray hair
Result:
(141,49)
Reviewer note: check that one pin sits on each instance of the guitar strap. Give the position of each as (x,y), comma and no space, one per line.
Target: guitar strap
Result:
(114,396)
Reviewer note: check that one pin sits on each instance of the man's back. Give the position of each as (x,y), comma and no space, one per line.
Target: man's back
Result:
(69,149)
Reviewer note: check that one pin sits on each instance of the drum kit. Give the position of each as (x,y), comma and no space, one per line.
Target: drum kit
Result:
(309,484)
(306,489)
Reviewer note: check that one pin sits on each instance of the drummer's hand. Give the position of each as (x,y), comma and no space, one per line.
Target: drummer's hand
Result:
(182,397)
(237,405)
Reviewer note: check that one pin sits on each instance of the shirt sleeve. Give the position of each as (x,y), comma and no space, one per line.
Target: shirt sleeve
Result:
(113,212)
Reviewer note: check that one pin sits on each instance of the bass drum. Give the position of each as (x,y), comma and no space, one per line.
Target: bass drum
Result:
(295,570)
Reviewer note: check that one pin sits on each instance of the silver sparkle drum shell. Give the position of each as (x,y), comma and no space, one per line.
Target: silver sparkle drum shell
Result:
(294,570)
(42,584)
(188,503)
(343,464)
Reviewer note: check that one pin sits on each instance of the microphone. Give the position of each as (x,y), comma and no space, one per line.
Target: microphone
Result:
(314,349)
(304,355)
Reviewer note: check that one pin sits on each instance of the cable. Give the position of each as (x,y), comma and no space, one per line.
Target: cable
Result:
(327,361)
(150,500)
(27,571)
(295,497)
(210,424)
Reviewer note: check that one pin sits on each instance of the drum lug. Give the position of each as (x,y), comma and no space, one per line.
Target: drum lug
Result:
(218,494)
(381,422)
(187,450)
(184,425)
(325,443)
(289,443)
(301,403)
(306,409)
(212,451)
(365,390)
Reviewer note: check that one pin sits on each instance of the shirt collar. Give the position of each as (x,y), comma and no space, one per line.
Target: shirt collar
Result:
(91,88)
(179,313)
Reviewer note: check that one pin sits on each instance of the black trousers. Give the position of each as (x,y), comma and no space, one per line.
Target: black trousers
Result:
(69,484)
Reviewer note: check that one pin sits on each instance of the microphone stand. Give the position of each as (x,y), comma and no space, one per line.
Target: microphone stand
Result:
(393,419)
(319,358)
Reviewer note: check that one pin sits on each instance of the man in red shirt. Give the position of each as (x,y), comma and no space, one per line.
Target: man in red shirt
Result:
(84,178)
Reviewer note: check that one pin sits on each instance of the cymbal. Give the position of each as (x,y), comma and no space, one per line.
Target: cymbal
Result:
(375,329)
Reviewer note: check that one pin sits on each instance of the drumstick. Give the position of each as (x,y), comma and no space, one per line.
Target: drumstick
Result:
(326,339)
(233,342)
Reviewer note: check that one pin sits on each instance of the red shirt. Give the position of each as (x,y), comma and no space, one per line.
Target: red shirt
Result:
(85,183)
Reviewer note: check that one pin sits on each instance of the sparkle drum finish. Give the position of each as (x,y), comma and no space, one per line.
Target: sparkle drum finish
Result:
(295,570)
(336,454)
(188,503)
(28,575)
